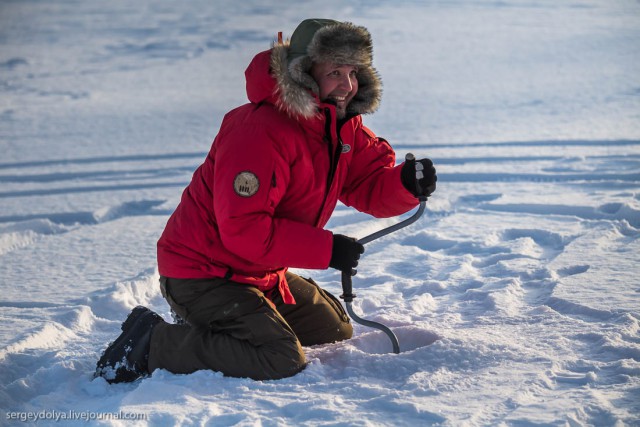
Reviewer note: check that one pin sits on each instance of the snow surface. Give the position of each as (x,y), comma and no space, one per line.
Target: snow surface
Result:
(516,297)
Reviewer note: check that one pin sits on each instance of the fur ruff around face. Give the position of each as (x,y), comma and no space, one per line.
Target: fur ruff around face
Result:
(341,43)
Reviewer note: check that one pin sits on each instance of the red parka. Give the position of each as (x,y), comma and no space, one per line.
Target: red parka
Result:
(298,166)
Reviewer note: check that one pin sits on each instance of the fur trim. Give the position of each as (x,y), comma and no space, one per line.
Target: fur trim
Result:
(341,43)
(291,96)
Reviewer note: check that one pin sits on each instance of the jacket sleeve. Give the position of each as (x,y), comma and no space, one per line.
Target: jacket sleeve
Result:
(373,183)
(251,176)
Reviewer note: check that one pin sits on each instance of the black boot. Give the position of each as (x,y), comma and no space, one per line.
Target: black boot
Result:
(125,359)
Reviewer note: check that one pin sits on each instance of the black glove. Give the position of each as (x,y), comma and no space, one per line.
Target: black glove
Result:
(345,254)
(419,177)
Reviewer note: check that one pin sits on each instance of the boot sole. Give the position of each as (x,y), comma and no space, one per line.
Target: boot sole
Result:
(133,317)
(122,370)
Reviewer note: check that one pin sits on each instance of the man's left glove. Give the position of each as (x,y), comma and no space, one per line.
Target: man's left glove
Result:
(419,177)
(345,254)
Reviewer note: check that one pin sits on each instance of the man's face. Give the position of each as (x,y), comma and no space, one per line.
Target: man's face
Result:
(337,83)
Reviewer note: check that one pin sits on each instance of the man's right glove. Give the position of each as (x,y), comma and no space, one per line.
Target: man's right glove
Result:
(419,177)
(345,254)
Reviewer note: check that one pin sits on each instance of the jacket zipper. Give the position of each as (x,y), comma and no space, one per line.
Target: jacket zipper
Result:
(334,158)
(334,155)
(329,141)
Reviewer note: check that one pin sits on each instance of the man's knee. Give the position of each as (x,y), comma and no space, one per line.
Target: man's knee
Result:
(318,317)
(344,332)
(281,362)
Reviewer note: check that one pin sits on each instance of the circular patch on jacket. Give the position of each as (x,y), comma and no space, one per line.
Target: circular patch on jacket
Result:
(346,148)
(246,184)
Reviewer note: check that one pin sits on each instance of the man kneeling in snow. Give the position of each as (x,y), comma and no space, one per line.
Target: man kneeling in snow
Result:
(259,203)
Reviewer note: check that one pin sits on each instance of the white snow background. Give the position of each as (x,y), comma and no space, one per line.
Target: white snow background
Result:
(516,297)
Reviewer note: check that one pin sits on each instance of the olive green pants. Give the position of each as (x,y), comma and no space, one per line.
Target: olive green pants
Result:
(235,329)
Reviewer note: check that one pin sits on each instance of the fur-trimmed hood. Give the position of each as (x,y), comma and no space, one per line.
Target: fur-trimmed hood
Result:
(285,81)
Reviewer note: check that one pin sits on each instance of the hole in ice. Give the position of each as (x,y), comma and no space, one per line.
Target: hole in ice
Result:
(412,338)
(572,270)
(377,342)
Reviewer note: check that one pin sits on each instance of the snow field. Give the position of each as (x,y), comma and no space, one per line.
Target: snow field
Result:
(515,297)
